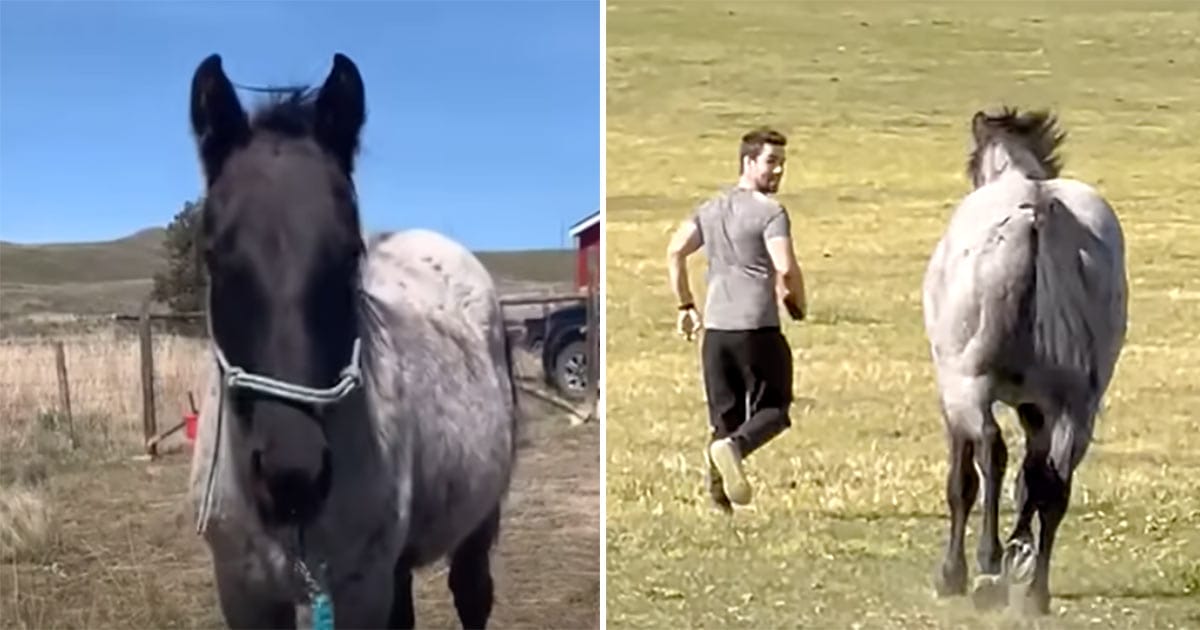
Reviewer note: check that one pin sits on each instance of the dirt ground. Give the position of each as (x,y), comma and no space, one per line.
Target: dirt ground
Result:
(124,554)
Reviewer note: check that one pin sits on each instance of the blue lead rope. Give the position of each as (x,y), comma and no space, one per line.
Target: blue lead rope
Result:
(322,612)
(320,604)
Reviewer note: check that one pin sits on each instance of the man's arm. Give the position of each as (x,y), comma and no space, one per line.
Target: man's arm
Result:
(789,280)
(684,242)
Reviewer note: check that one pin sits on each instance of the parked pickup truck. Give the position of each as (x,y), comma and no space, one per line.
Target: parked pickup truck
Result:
(561,339)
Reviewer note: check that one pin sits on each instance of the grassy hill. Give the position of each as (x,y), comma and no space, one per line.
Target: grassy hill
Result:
(108,276)
(131,258)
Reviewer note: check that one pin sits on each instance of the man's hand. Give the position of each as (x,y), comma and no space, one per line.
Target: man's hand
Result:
(793,309)
(684,241)
(688,323)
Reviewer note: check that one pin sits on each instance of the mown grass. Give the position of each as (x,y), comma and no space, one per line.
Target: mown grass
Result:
(849,516)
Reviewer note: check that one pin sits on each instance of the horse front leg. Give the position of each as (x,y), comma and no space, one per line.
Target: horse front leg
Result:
(470,578)
(402,615)
(245,606)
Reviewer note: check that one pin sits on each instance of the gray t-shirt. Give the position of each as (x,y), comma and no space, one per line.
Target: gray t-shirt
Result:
(734,226)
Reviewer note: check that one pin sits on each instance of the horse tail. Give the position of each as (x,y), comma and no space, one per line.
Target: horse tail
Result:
(1065,316)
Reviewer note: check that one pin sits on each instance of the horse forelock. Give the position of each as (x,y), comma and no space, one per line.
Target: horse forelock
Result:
(1030,139)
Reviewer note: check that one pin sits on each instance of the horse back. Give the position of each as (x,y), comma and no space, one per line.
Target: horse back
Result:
(437,311)
(427,271)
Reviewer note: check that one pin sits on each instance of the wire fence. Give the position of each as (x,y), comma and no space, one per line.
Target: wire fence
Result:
(134,377)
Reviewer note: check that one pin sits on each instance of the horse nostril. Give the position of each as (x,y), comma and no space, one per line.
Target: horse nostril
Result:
(256,461)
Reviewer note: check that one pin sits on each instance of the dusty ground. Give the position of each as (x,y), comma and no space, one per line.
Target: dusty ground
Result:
(122,554)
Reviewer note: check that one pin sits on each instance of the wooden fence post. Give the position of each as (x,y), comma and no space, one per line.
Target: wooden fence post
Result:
(149,423)
(593,335)
(64,390)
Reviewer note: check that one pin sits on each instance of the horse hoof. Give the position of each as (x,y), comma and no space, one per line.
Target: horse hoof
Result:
(1035,604)
(723,508)
(990,592)
(1020,558)
(951,581)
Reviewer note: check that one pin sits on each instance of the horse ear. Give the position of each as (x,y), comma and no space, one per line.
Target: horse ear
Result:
(341,110)
(218,121)
(979,126)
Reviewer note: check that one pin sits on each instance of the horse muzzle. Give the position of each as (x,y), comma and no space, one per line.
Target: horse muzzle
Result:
(290,494)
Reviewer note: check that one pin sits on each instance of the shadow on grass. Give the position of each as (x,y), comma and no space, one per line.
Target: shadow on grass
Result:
(834,318)
(1124,593)
(871,516)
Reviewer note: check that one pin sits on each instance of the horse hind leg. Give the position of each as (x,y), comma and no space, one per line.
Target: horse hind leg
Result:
(974,438)
(992,456)
(962,486)
(1051,491)
(1019,550)
(470,577)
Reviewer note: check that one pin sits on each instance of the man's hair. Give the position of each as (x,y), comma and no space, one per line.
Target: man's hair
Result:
(754,140)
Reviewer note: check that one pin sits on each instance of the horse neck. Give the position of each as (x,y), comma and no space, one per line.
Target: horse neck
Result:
(1000,159)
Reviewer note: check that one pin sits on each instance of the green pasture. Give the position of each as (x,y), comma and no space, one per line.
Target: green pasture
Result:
(849,516)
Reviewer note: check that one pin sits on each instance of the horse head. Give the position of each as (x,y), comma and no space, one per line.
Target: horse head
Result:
(282,246)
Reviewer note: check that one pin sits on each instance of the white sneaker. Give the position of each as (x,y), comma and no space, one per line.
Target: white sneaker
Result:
(725,457)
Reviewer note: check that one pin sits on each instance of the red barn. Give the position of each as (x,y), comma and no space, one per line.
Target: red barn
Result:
(587,244)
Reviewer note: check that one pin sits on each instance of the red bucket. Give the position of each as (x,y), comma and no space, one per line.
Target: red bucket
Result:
(189,426)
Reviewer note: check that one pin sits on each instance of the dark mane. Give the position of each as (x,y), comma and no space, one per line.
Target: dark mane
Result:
(292,112)
(1035,131)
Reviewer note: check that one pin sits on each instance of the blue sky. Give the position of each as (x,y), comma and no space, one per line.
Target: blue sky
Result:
(483,118)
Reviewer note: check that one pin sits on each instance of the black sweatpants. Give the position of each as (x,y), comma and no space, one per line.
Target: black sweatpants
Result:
(748,379)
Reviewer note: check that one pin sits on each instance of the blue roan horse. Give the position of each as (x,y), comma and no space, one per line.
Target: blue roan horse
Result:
(361,415)
(1025,303)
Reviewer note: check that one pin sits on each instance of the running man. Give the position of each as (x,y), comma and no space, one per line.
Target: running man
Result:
(752,270)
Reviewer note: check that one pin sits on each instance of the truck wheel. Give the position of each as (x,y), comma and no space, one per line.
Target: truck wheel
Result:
(570,370)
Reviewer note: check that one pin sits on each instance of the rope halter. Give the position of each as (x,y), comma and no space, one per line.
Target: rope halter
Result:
(350,378)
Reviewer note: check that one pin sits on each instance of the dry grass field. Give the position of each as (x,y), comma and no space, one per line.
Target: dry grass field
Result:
(849,517)
(96,537)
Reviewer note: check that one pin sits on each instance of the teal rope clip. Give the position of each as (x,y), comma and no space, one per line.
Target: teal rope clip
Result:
(320,604)
(322,612)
